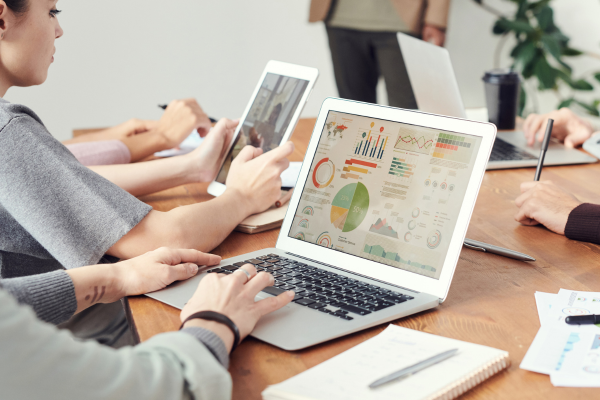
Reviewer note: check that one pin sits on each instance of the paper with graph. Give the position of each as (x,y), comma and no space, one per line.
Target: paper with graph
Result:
(385,191)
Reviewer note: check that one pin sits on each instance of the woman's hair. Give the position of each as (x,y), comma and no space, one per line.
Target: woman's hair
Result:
(18,6)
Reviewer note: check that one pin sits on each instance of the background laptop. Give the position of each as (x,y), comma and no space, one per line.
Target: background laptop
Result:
(375,226)
(436,90)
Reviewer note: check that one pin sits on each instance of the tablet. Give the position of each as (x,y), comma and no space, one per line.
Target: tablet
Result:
(271,114)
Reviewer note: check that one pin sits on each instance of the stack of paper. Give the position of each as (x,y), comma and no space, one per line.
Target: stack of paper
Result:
(570,354)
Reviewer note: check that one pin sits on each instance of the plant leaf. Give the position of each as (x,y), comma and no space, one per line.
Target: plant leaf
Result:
(524,53)
(552,46)
(597,76)
(565,103)
(545,74)
(582,84)
(589,108)
(570,52)
(504,25)
(545,18)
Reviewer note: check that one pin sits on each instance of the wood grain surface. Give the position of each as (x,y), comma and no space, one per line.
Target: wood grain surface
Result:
(491,300)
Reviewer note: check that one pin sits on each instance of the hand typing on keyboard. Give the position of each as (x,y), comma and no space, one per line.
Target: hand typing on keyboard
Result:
(321,290)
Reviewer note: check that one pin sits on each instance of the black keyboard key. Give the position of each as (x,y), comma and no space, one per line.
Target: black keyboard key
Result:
(347,317)
(297,297)
(295,281)
(355,310)
(286,287)
(263,257)
(284,278)
(275,274)
(216,270)
(273,290)
(273,255)
(305,302)
(254,261)
(272,260)
(275,268)
(324,310)
(240,264)
(230,268)
(284,270)
(395,299)
(317,305)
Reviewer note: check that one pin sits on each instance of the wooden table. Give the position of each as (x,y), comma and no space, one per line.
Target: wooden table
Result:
(491,300)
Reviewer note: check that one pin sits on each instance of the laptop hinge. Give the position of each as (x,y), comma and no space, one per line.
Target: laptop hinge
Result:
(350,272)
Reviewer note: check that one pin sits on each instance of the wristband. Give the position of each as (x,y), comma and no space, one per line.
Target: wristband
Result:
(217,317)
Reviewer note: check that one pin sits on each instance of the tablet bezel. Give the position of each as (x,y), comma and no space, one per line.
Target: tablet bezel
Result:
(355,264)
(280,68)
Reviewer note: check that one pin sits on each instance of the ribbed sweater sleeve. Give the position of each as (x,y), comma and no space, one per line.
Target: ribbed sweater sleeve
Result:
(212,342)
(51,295)
(584,223)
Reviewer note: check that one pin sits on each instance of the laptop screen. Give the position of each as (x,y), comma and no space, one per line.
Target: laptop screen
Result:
(385,191)
(269,117)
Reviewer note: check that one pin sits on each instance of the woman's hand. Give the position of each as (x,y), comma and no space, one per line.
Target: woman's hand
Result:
(157,269)
(257,176)
(233,295)
(545,203)
(207,158)
(180,119)
(568,127)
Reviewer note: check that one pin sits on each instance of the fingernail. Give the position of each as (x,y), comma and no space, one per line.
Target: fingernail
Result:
(193,269)
(290,293)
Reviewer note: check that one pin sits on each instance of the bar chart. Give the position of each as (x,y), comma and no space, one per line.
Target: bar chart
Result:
(402,168)
(370,145)
(354,167)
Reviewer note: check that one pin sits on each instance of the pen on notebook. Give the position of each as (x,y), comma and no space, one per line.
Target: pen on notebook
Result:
(543,150)
(164,107)
(583,319)
(413,369)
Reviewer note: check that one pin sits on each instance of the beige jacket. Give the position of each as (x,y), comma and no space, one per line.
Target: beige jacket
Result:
(414,12)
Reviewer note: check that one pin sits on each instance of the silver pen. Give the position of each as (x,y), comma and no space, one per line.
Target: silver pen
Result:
(413,369)
(501,251)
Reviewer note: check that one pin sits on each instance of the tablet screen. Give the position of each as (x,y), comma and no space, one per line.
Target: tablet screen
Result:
(269,117)
(386,191)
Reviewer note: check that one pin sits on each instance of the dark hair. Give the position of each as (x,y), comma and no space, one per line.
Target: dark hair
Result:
(18,6)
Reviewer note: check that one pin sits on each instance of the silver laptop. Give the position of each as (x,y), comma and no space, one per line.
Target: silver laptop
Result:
(375,226)
(436,90)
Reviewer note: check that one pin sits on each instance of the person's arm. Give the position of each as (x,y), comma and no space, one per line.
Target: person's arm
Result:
(38,361)
(568,127)
(583,223)
(56,296)
(144,138)
(545,203)
(253,185)
(436,21)
(153,176)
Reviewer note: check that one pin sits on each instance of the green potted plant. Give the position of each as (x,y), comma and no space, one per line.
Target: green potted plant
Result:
(541,52)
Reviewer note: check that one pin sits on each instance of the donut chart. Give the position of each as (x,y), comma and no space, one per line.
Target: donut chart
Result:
(434,239)
(323,173)
(349,207)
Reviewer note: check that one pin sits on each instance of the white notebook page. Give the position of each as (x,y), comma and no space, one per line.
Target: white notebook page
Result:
(348,375)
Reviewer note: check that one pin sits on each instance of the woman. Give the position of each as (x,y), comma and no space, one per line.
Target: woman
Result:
(39,361)
(55,213)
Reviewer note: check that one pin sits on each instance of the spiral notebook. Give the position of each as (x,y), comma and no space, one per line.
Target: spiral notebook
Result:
(348,375)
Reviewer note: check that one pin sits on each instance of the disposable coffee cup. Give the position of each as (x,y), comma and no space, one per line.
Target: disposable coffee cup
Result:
(502,90)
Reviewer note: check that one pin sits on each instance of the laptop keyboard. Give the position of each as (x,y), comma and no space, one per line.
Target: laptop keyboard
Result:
(319,289)
(504,151)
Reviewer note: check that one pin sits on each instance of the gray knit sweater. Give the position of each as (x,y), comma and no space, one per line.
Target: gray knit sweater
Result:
(52,297)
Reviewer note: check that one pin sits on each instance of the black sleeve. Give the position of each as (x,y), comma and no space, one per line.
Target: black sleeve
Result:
(584,223)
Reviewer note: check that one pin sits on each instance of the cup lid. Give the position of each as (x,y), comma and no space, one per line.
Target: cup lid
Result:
(501,76)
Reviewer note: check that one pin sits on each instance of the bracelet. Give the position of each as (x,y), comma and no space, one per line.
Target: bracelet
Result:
(217,317)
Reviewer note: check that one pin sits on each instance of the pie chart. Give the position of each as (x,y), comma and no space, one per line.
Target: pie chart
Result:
(349,207)
(323,173)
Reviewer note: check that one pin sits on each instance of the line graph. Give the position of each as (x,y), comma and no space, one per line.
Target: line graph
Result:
(416,142)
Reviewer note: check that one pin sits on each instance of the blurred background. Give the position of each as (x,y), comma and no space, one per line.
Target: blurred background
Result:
(119,59)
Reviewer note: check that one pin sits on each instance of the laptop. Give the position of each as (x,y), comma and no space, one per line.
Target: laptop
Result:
(375,226)
(436,91)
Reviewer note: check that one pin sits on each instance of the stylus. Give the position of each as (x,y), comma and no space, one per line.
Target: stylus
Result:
(164,107)
(501,251)
(543,150)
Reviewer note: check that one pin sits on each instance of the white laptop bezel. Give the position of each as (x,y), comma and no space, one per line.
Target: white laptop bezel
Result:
(437,287)
(431,76)
(280,68)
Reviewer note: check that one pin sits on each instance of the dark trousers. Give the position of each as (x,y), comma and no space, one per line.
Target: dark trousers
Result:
(360,58)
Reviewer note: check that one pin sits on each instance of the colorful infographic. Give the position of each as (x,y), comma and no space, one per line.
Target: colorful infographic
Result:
(385,191)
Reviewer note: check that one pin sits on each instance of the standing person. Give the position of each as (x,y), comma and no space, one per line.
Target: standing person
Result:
(363,43)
